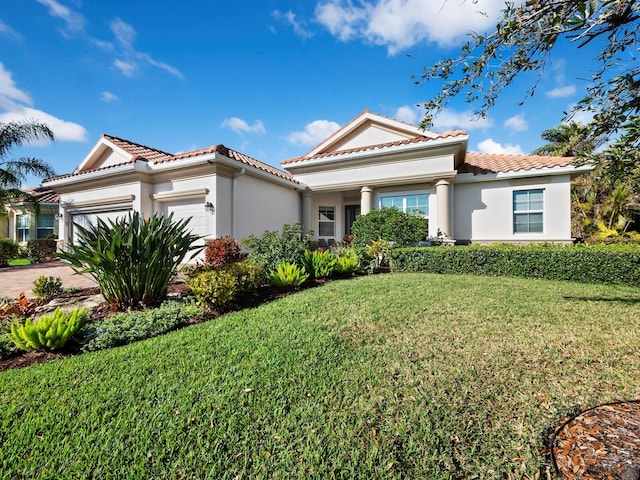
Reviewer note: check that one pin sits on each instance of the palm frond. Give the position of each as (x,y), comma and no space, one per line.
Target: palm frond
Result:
(21,133)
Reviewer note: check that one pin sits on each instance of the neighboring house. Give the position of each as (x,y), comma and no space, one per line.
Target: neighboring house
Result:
(371,162)
(23,221)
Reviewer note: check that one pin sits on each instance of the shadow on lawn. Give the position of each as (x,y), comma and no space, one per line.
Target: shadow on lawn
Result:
(624,300)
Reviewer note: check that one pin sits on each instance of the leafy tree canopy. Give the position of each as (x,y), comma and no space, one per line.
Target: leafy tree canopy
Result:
(13,172)
(523,41)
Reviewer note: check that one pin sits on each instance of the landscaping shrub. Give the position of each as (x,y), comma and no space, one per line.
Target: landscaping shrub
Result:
(21,307)
(132,259)
(213,288)
(49,332)
(319,264)
(273,247)
(390,224)
(126,327)
(379,252)
(8,251)
(589,264)
(222,251)
(47,287)
(249,275)
(41,250)
(288,275)
(347,261)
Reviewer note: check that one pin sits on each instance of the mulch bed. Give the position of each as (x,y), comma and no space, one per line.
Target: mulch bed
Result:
(253,299)
(600,443)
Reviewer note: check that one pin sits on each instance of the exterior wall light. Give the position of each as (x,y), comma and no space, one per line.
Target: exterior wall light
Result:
(209,207)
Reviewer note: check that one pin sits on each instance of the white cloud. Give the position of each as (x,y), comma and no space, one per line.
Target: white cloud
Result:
(108,96)
(239,126)
(491,146)
(9,90)
(16,105)
(64,131)
(562,92)
(517,123)
(299,26)
(8,32)
(125,36)
(400,24)
(74,20)
(407,114)
(313,133)
(450,119)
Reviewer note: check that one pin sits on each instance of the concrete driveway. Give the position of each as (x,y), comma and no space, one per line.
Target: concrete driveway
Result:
(14,280)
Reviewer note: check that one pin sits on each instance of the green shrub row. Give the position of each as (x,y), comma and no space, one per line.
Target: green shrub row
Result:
(8,251)
(41,250)
(588,264)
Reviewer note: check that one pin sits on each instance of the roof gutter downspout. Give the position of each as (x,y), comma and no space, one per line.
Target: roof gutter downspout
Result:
(234,200)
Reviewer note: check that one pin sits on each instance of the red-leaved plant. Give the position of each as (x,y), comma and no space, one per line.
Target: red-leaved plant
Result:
(222,251)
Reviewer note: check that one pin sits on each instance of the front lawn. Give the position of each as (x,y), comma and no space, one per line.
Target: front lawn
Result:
(18,262)
(387,376)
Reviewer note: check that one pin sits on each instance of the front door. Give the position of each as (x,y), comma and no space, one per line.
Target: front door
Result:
(350,214)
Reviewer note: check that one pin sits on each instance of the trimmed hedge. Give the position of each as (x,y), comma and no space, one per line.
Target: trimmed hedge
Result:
(8,251)
(41,250)
(588,264)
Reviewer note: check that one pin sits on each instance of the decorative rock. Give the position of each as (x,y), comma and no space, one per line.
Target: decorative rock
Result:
(69,303)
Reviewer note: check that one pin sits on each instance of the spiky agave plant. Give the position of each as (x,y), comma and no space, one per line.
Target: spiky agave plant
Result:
(133,258)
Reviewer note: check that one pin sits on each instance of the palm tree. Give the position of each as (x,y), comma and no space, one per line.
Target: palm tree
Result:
(13,172)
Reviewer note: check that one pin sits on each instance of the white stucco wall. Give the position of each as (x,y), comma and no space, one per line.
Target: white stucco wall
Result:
(371,135)
(483,211)
(262,205)
(374,173)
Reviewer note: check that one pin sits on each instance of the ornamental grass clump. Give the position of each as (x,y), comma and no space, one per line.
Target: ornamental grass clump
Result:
(49,332)
(319,264)
(288,274)
(132,259)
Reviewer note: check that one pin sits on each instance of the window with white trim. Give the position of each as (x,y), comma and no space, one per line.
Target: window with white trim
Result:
(23,222)
(418,203)
(528,211)
(44,226)
(326,221)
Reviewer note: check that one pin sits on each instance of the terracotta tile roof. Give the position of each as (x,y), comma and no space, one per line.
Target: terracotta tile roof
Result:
(409,141)
(142,152)
(41,194)
(139,152)
(482,163)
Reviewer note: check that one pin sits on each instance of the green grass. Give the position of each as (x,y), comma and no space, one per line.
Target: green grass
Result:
(389,376)
(18,262)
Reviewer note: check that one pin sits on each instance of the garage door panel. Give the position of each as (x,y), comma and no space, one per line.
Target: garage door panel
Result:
(199,223)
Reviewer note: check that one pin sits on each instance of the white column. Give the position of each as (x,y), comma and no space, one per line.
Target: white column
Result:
(307,215)
(444,215)
(366,200)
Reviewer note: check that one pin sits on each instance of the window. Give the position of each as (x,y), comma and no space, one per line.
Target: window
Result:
(407,203)
(327,221)
(23,223)
(527,211)
(45,226)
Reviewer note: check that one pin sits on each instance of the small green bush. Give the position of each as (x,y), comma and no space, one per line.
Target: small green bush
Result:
(47,287)
(588,264)
(390,224)
(8,251)
(272,247)
(49,332)
(319,264)
(41,250)
(347,261)
(127,327)
(249,276)
(213,288)
(288,275)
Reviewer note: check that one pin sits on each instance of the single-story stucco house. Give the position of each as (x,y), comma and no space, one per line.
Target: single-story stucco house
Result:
(22,221)
(371,162)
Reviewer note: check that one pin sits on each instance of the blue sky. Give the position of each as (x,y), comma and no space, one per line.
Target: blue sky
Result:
(270,78)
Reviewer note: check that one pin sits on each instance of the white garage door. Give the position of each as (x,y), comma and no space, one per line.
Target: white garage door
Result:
(193,208)
(88,219)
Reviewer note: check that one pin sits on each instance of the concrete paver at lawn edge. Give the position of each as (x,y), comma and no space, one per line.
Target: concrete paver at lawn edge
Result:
(14,280)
